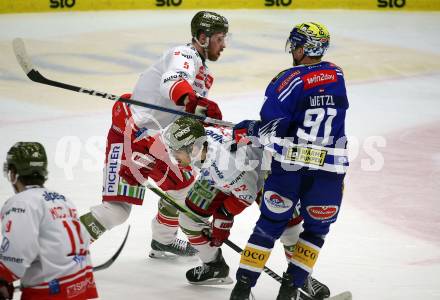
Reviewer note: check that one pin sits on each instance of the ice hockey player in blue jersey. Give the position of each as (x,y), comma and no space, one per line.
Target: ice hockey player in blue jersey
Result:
(302,123)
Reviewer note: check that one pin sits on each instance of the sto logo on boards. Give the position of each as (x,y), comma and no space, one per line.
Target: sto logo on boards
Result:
(168,2)
(390,3)
(62,3)
(277,2)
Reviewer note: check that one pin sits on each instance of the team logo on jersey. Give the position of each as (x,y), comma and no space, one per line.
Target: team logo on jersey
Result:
(322,212)
(5,245)
(277,203)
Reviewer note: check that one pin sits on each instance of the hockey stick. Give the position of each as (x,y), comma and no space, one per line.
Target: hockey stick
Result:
(34,75)
(167,198)
(105,264)
(112,259)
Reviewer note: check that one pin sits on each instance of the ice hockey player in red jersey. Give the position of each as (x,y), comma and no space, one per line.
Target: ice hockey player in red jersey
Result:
(43,242)
(227,183)
(180,80)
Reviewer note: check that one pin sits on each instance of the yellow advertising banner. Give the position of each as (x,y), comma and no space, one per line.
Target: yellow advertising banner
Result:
(17,6)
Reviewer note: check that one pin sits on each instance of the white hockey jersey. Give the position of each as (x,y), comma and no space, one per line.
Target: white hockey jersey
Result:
(166,81)
(239,173)
(45,245)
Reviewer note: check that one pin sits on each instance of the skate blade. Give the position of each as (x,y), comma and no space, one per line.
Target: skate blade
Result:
(160,254)
(157,254)
(214,281)
(342,296)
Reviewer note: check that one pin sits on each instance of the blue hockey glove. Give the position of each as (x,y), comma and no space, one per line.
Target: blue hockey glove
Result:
(242,131)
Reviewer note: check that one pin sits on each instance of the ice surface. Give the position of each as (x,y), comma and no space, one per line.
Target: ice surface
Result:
(386,243)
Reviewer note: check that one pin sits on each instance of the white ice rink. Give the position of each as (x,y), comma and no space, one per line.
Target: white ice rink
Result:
(386,242)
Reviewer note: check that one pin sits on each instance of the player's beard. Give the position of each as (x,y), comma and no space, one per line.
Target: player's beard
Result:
(214,56)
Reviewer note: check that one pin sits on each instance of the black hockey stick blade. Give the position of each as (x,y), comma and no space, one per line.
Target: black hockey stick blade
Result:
(34,75)
(112,259)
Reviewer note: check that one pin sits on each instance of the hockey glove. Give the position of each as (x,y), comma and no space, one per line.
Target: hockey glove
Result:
(220,227)
(143,163)
(6,290)
(242,132)
(203,107)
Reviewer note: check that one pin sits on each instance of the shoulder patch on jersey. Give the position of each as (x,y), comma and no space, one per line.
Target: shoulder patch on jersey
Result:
(317,78)
(287,80)
(278,75)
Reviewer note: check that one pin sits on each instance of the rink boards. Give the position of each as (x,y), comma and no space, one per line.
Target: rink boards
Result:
(18,6)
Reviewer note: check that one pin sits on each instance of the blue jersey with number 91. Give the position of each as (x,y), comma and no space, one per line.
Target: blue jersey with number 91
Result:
(305,106)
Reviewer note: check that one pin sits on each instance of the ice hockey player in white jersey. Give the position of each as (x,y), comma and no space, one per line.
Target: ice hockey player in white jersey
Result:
(180,80)
(227,183)
(43,242)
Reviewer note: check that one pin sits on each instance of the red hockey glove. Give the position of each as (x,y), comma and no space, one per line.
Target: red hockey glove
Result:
(6,290)
(143,163)
(203,106)
(208,108)
(220,227)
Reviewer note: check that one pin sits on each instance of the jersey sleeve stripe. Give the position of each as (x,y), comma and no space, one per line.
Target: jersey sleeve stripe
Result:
(179,89)
(290,85)
(290,91)
(67,278)
(7,274)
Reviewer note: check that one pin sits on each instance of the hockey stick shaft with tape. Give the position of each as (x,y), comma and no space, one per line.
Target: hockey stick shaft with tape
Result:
(33,74)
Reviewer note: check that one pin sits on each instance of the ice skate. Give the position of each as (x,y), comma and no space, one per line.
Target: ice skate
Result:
(177,247)
(212,273)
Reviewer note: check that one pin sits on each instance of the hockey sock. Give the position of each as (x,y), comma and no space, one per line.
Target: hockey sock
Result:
(304,257)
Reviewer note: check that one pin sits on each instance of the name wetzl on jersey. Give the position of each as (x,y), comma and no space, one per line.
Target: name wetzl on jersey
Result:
(321,100)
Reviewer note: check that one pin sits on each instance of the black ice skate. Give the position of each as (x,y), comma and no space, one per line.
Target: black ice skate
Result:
(212,273)
(316,289)
(287,290)
(178,247)
(242,289)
